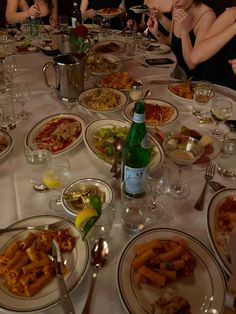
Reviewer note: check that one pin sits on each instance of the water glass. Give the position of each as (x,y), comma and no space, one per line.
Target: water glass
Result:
(227,158)
(133,209)
(7,111)
(202,97)
(63,23)
(130,42)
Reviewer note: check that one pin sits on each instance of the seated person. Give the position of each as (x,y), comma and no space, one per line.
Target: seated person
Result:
(38,8)
(88,10)
(3,4)
(190,21)
(218,46)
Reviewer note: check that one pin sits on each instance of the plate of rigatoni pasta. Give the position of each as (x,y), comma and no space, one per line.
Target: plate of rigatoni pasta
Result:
(163,269)
(28,280)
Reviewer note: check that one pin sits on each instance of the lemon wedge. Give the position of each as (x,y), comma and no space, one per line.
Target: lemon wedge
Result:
(84,215)
(51,180)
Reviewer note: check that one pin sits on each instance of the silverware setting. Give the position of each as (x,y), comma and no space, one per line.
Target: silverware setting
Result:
(99,255)
(155,66)
(64,294)
(216,186)
(51,227)
(163,81)
(210,172)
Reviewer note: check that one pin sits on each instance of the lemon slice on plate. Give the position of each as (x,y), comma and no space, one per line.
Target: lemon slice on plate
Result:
(84,215)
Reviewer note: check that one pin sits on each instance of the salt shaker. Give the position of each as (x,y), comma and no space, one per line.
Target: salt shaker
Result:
(136,91)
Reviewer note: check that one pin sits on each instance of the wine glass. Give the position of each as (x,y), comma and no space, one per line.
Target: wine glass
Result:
(156,182)
(202,97)
(21,95)
(144,43)
(37,155)
(183,151)
(10,68)
(105,24)
(56,175)
(221,110)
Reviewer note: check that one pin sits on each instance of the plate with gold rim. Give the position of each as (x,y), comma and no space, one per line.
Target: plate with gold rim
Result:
(77,261)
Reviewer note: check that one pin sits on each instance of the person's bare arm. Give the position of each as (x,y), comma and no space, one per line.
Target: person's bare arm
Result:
(200,29)
(84,10)
(222,30)
(12,16)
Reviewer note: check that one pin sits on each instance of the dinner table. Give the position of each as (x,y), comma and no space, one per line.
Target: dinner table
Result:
(20,201)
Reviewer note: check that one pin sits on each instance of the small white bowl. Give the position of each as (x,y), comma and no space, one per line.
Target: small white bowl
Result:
(81,184)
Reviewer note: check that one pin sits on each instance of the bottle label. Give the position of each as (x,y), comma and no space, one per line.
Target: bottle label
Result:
(133,187)
(138,117)
(73,21)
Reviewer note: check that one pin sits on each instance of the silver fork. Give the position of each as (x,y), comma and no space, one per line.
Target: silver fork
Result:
(210,172)
(52,227)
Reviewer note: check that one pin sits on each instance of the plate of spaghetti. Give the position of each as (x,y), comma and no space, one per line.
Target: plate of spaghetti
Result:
(102,99)
(221,219)
(158,113)
(28,280)
(59,132)
(151,268)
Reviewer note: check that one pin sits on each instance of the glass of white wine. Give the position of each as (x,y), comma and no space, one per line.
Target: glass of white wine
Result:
(221,110)
(56,175)
(183,151)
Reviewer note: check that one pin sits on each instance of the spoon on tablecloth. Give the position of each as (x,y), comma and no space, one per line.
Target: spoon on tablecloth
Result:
(99,257)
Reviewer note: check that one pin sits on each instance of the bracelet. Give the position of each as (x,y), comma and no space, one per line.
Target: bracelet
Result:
(230,301)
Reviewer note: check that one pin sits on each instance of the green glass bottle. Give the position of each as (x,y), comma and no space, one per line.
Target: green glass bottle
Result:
(137,152)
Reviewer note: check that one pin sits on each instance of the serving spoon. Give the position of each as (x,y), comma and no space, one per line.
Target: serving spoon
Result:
(99,255)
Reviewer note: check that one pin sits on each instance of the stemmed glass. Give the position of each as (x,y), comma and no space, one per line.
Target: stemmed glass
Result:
(144,43)
(56,175)
(105,24)
(10,68)
(37,155)
(21,94)
(183,151)
(156,182)
(221,110)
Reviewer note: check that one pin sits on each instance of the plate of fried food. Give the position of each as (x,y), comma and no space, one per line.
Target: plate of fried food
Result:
(109,46)
(158,113)
(101,64)
(49,47)
(221,219)
(6,144)
(100,134)
(60,133)
(28,279)
(101,99)
(109,12)
(184,90)
(119,80)
(165,267)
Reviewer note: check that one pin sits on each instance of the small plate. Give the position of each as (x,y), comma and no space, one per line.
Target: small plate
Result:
(212,215)
(140,9)
(156,48)
(80,185)
(128,113)
(110,96)
(6,144)
(49,124)
(109,46)
(205,290)
(78,261)
(91,141)
(109,13)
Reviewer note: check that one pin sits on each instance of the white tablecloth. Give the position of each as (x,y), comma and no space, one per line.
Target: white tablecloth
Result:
(18,200)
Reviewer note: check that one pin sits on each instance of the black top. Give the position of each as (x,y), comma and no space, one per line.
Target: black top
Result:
(116,22)
(130,13)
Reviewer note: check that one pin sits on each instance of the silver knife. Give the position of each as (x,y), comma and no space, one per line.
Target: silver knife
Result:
(64,294)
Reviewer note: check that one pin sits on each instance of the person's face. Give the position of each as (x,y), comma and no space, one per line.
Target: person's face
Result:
(182,4)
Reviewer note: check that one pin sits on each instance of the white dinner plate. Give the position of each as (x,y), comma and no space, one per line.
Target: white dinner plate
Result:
(6,144)
(93,127)
(205,289)
(77,261)
(129,109)
(80,185)
(120,99)
(130,80)
(42,124)
(109,46)
(140,9)
(156,48)
(101,70)
(212,214)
